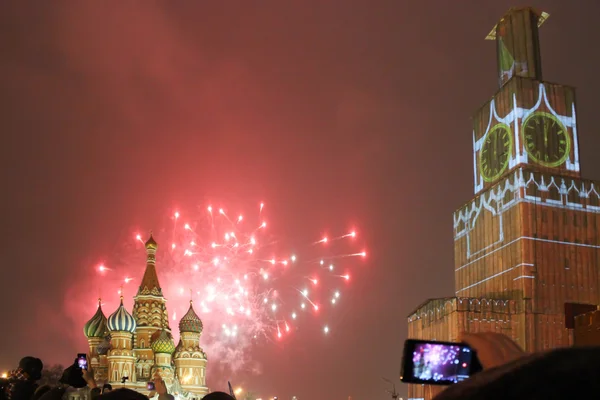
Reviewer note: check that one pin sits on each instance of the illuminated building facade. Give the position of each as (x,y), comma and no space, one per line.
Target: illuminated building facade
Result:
(139,346)
(526,246)
(586,329)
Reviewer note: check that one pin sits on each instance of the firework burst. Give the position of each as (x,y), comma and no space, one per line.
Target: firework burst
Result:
(246,286)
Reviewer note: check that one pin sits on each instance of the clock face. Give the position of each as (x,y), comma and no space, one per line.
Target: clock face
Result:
(546,139)
(495,152)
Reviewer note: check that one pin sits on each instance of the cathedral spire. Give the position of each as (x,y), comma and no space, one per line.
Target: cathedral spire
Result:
(150,285)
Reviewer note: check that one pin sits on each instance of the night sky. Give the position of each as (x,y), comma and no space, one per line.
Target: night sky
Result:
(333,112)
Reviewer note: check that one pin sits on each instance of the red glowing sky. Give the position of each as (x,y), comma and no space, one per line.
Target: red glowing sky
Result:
(335,113)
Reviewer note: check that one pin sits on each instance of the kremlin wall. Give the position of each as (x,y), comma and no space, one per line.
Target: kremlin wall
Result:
(130,349)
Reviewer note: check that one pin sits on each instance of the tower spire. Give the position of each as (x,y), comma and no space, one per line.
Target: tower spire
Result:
(518,44)
(150,284)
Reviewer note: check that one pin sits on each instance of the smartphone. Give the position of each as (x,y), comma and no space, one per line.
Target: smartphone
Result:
(437,363)
(82,361)
(150,386)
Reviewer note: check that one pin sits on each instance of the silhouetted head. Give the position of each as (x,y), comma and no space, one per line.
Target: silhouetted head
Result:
(122,394)
(32,367)
(570,373)
(217,396)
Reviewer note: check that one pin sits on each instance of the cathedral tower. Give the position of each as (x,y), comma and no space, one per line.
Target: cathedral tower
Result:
(120,357)
(96,331)
(527,246)
(190,359)
(163,347)
(140,346)
(150,313)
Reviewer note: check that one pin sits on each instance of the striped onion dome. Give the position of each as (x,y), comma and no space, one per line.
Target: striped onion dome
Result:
(121,320)
(96,326)
(162,342)
(190,322)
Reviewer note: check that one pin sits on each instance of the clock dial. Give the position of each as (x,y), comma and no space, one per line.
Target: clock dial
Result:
(495,152)
(546,139)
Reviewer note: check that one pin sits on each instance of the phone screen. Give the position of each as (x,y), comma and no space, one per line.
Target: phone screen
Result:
(150,385)
(82,361)
(437,363)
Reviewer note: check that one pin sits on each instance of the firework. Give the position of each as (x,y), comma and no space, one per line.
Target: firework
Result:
(246,286)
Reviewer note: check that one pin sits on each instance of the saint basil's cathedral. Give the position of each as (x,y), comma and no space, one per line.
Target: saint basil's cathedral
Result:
(128,350)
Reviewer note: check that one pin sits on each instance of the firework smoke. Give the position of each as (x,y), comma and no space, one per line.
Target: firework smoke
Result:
(246,286)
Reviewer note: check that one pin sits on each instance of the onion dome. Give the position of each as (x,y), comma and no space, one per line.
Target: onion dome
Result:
(104,347)
(121,320)
(162,342)
(96,326)
(190,322)
(151,243)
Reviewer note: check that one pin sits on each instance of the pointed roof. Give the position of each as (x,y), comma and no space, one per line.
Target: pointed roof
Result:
(150,284)
(542,17)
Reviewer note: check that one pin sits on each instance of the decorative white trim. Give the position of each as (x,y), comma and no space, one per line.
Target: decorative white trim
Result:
(515,189)
(495,275)
(513,119)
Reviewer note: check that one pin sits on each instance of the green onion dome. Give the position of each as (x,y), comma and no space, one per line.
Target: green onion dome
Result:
(96,326)
(121,320)
(162,342)
(190,322)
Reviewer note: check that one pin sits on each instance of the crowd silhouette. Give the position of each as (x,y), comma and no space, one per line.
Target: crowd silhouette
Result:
(75,383)
(508,373)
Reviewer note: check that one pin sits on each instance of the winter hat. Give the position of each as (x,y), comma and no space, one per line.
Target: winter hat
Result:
(217,396)
(32,366)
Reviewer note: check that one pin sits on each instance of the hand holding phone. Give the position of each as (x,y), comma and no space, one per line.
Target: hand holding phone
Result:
(82,361)
(437,363)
